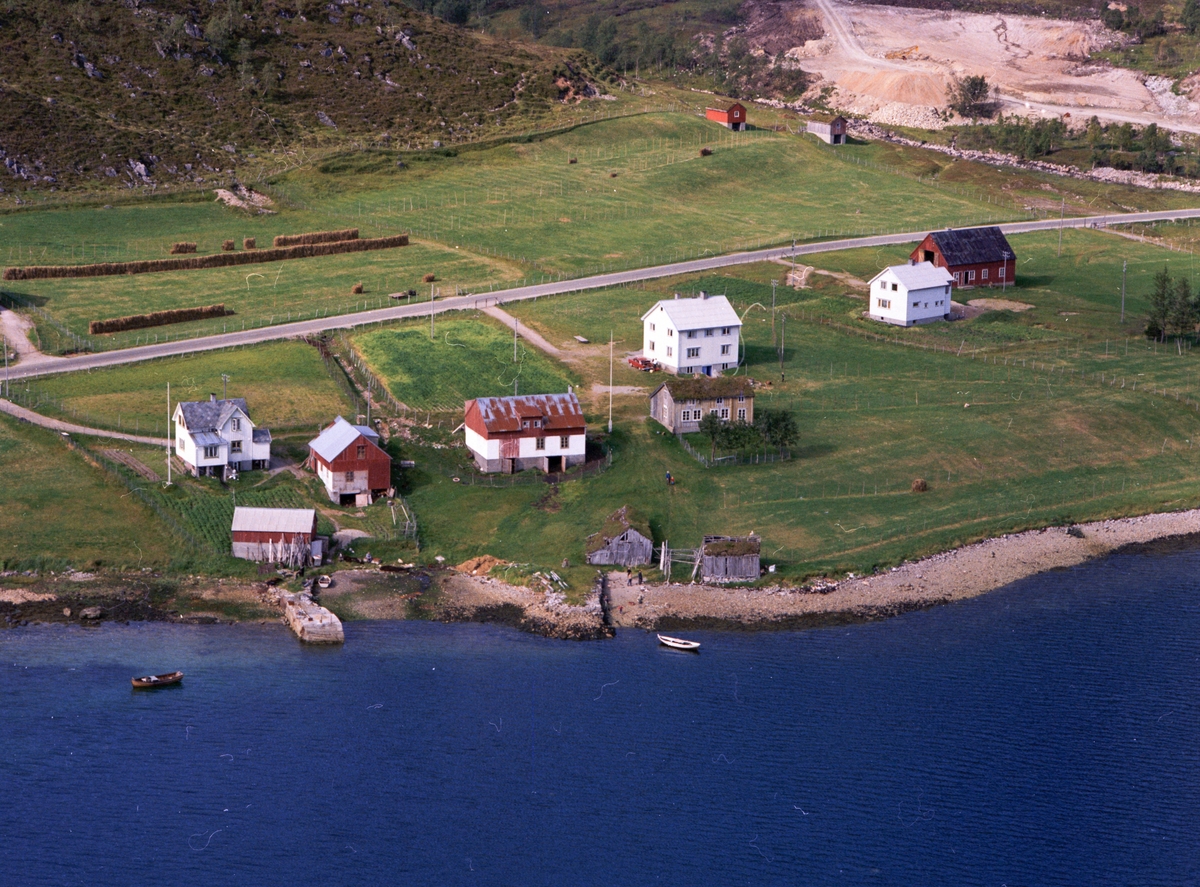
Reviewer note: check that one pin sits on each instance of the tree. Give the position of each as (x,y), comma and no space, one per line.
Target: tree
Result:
(712,427)
(778,428)
(972,96)
(1182,315)
(1190,17)
(740,435)
(533,19)
(1161,299)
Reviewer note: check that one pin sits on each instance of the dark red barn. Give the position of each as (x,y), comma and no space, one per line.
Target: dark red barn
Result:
(973,256)
(733,117)
(350,462)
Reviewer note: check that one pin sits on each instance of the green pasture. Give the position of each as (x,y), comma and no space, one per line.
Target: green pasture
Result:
(286,386)
(57,512)
(464,360)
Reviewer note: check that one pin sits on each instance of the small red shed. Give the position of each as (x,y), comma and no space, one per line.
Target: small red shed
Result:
(733,117)
(973,256)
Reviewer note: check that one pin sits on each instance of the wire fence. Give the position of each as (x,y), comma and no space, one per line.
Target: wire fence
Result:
(783,455)
(473,478)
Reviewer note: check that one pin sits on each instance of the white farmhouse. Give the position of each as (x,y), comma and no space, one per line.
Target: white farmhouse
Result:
(214,436)
(688,336)
(909,294)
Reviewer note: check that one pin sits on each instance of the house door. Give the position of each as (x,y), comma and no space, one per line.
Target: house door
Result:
(554,464)
(706,370)
(928,255)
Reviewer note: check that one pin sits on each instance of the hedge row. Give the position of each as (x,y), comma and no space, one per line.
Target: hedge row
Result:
(316,237)
(157,318)
(217,260)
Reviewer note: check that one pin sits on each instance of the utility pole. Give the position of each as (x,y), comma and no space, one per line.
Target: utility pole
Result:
(610,379)
(1124,263)
(4,340)
(431,312)
(224,386)
(1004,279)
(1061,214)
(774,283)
(169,435)
(516,323)
(782,336)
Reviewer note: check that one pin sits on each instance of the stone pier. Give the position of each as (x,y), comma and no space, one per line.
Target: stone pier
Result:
(311,622)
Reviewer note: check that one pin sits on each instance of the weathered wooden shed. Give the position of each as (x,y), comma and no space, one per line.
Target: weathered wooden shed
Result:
(625,539)
(730,558)
(274,535)
(829,129)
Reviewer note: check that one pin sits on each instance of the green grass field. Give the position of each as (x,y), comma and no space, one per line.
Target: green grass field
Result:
(57,512)
(286,386)
(466,359)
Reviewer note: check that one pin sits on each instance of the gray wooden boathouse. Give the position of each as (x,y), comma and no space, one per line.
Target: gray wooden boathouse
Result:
(624,539)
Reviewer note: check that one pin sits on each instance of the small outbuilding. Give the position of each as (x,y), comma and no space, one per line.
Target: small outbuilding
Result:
(733,117)
(831,130)
(909,294)
(276,535)
(350,463)
(973,256)
(679,404)
(730,558)
(625,540)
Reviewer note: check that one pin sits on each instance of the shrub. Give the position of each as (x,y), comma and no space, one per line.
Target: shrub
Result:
(248,243)
(919,485)
(429,278)
(316,237)
(157,318)
(182,247)
(228,246)
(356,289)
(573,160)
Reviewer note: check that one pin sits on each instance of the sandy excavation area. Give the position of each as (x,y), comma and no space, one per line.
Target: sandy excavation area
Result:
(894,64)
(951,576)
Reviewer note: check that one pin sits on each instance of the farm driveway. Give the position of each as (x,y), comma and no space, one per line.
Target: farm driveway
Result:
(7,406)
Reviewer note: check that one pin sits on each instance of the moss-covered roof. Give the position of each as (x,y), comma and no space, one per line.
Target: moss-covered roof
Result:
(731,546)
(706,387)
(614,525)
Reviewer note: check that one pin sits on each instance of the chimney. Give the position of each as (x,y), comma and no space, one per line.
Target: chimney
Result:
(212,398)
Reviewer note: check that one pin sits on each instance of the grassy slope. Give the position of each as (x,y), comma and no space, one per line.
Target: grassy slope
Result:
(55,510)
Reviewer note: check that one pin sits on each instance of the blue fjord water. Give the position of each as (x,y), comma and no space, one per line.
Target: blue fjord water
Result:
(1045,734)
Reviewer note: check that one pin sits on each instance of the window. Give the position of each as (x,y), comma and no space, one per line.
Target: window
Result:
(537,423)
(235,446)
(1000,272)
(235,425)
(720,400)
(670,332)
(958,277)
(713,412)
(651,327)
(916,304)
(884,303)
(725,330)
(725,349)
(525,424)
(939,302)
(362,451)
(349,475)
(693,352)
(983,274)
(692,401)
(948,287)
(652,346)
(685,416)
(211,452)
(691,334)
(741,398)
(970,276)
(725,413)
(564,442)
(540,443)
(707,333)
(668,351)
(893,287)
(181,444)
(741,415)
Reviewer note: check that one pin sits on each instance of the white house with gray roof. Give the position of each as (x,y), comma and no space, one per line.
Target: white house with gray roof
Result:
(214,436)
(689,336)
(907,294)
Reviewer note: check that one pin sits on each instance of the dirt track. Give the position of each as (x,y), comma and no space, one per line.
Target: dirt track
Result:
(1041,66)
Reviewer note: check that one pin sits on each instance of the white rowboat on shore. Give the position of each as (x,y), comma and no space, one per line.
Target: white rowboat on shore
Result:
(678,643)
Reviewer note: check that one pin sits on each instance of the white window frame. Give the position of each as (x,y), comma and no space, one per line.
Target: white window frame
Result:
(693,352)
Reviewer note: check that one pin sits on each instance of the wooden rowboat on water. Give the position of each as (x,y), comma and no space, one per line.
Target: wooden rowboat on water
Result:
(158,680)
(678,643)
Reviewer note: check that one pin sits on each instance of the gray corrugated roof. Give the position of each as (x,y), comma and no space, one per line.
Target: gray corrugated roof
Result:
(698,313)
(210,415)
(923,275)
(273,520)
(332,442)
(971,246)
(261,435)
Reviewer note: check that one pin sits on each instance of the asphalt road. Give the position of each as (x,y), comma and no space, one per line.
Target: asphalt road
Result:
(519,294)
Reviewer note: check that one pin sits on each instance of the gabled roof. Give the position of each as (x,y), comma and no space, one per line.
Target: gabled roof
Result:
(825,118)
(210,415)
(923,275)
(615,524)
(273,520)
(500,414)
(698,313)
(971,246)
(706,387)
(332,442)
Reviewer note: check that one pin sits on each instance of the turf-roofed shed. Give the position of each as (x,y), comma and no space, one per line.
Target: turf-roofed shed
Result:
(731,558)
(625,539)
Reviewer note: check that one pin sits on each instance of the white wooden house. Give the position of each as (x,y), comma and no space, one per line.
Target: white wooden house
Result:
(908,294)
(510,434)
(689,336)
(214,436)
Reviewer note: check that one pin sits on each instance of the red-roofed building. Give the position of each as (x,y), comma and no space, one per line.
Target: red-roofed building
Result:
(733,117)
(509,434)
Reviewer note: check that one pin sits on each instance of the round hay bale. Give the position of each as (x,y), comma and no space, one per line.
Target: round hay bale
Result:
(429,278)
(248,243)
(227,246)
(356,289)
(919,485)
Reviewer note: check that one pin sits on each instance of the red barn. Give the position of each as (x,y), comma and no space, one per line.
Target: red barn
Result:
(350,462)
(510,434)
(733,117)
(973,256)
(275,535)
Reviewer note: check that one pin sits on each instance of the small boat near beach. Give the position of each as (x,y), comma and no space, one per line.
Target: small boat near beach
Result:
(158,680)
(678,643)
(324,581)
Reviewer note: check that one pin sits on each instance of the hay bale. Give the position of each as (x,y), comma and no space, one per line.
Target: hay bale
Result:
(182,247)
(316,237)
(706,152)
(248,243)
(357,289)
(156,318)
(573,160)
(228,246)
(429,278)
(919,485)
(612,175)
